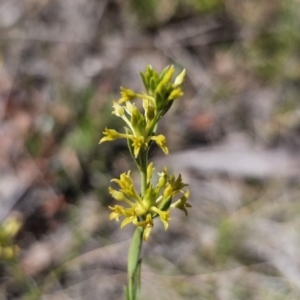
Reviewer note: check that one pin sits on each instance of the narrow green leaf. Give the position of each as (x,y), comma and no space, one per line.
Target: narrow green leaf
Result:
(144,81)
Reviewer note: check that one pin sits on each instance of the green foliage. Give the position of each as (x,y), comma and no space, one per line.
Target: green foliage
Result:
(274,53)
(35,144)
(82,138)
(203,6)
(151,13)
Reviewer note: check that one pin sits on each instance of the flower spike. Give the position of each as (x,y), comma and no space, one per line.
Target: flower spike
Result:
(157,196)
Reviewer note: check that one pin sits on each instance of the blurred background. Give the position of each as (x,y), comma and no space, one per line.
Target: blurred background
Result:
(234,136)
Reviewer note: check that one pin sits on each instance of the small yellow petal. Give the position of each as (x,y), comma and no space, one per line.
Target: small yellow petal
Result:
(116,194)
(161,142)
(163,215)
(126,95)
(118,109)
(150,170)
(127,220)
(137,143)
(147,231)
(109,135)
(176,93)
(180,78)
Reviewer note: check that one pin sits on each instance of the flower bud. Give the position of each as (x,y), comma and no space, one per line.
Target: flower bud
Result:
(126,95)
(168,76)
(150,170)
(180,78)
(150,113)
(118,110)
(176,93)
(116,194)
(168,192)
(135,116)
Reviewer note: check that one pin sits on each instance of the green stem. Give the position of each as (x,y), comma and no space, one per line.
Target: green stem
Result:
(143,171)
(134,259)
(134,264)
(143,182)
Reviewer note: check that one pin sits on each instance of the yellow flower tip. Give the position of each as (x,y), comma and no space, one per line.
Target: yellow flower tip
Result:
(114,215)
(117,211)
(147,231)
(129,107)
(176,93)
(147,225)
(126,95)
(127,221)
(168,76)
(137,143)
(182,203)
(116,194)
(163,215)
(150,170)
(180,78)
(161,142)
(168,192)
(109,135)
(186,195)
(118,109)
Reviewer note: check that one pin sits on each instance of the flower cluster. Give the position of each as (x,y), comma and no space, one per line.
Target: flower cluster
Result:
(156,202)
(140,127)
(140,131)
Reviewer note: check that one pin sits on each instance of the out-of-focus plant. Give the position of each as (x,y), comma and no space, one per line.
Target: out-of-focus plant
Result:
(8,230)
(151,13)
(154,199)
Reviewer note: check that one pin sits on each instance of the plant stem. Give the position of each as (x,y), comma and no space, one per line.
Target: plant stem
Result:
(134,259)
(143,172)
(134,264)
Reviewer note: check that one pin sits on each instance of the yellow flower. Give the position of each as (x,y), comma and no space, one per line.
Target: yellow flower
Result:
(117,211)
(161,142)
(129,107)
(155,203)
(137,144)
(147,230)
(177,184)
(119,196)
(110,135)
(162,179)
(176,93)
(168,192)
(128,220)
(150,170)
(126,95)
(147,224)
(118,109)
(163,215)
(126,184)
(182,202)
